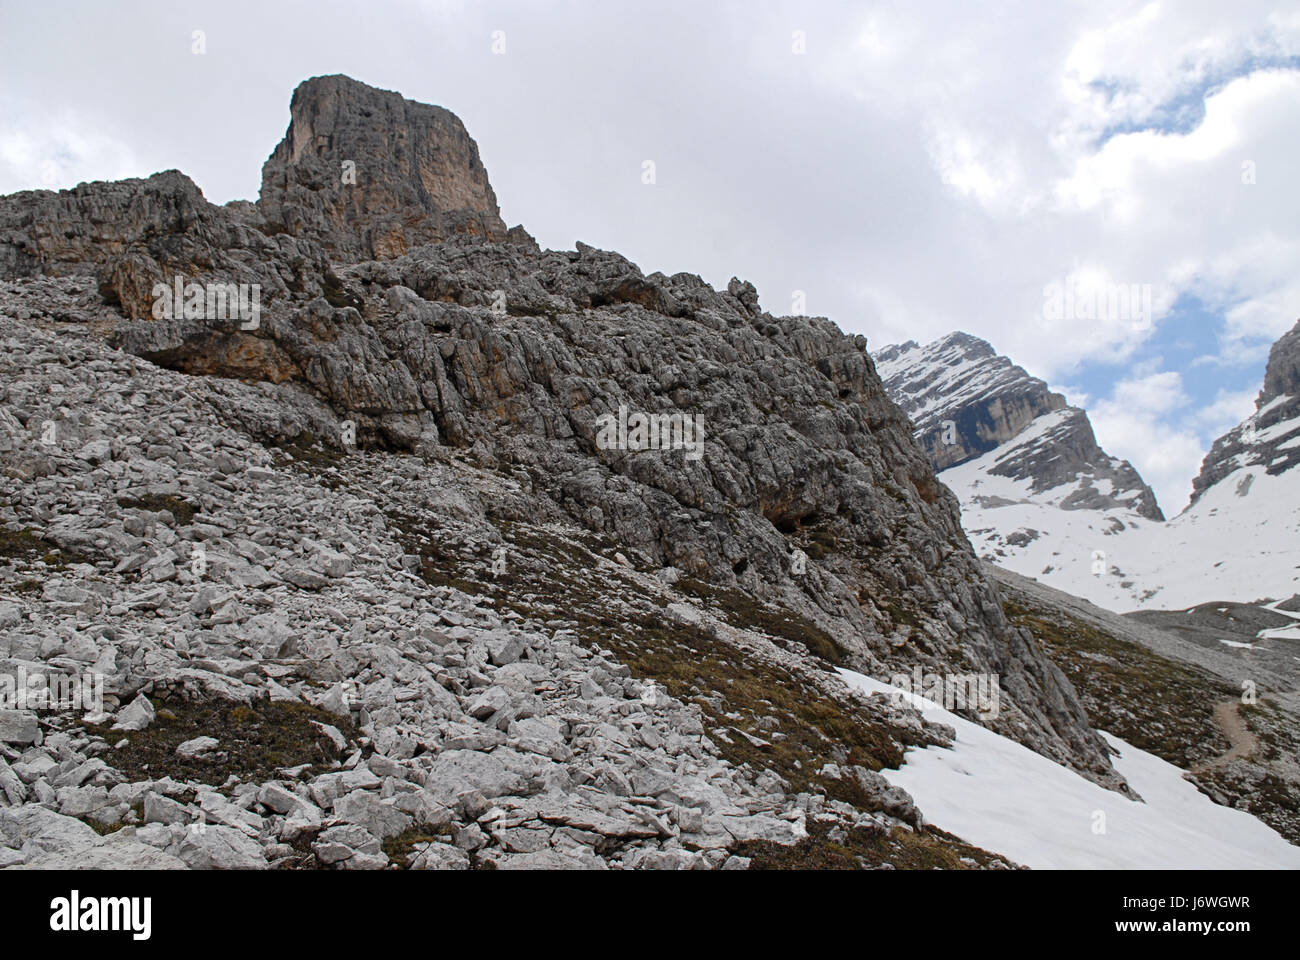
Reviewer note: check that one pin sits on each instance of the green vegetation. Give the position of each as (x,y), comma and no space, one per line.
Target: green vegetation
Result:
(256,739)
(741,610)
(182,510)
(1157,704)
(401,847)
(23,544)
(862,848)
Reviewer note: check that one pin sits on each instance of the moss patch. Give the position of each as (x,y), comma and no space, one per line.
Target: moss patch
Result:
(23,544)
(741,610)
(401,847)
(257,740)
(795,728)
(182,510)
(1158,705)
(440,563)
(862,848)
(314,457)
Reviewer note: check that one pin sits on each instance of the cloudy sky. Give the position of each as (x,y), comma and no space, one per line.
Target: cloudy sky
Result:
(912,168)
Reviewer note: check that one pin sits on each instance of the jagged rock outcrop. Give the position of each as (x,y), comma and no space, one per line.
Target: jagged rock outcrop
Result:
(368,174)
(415,178)
(966,401)
(370,685)
(485,342)
(1270,437)
(134,234)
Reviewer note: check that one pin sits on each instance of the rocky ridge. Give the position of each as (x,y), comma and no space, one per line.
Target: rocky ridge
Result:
(419,718)
(455,388)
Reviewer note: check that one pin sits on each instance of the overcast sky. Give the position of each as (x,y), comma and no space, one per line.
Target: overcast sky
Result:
(920,167)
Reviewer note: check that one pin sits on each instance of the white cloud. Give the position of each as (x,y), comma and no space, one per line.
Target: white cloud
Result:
(1156,393)
(1229,408)
(45,152)
(1131,426)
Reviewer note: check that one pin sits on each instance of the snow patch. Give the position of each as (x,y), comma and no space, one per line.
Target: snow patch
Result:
(999,795)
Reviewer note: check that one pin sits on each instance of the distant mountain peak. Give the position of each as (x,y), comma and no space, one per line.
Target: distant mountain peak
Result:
(1270,437)
(966,401)
(1282,375)
(1040,497)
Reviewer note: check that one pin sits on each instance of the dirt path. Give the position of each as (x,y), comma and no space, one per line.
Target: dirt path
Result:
(1241,742)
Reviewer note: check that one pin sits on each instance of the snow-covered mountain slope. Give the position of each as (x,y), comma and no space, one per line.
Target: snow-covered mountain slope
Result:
(967,401)
(962,378)
(1239,541)
(1090,531)
(993,792)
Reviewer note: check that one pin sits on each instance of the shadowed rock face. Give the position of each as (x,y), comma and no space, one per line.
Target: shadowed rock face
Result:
(1282,376)
(483,340)
(966,400)
(368,174)
(1268,437)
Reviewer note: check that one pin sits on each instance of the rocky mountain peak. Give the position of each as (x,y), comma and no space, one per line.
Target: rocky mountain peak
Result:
(970,347)
(966,401)
(368,174)
(962,379)
(1282,375)
(1268,438)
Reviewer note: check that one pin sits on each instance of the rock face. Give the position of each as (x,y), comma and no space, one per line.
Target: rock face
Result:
(966,401)
(413,177)
(368,174)
(794,521)
(567,708)
(962,379)
(133,234)
(1270,437)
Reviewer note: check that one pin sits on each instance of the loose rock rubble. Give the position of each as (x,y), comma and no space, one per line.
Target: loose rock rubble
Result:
(153,542)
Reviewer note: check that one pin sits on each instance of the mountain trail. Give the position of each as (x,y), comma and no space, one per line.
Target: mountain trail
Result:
(1241,742)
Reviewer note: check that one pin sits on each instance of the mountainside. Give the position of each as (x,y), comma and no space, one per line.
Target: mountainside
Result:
(1266,444)
(530,555)
(1174,684)
(1039,497)
(967,401)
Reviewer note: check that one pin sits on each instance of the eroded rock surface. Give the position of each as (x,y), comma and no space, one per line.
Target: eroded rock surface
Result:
(408,520)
